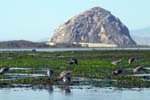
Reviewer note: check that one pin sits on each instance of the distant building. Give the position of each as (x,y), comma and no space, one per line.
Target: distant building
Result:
(50,43)
(82,44)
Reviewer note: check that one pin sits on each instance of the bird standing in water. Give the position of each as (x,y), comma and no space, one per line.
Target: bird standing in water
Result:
(50,73)
(66,79)
(65,76)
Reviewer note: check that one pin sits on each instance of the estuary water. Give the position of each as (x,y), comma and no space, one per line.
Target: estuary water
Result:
(68,49)
(82,92)
(76,93)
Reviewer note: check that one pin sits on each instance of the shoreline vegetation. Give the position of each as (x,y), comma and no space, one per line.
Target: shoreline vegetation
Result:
(94,65)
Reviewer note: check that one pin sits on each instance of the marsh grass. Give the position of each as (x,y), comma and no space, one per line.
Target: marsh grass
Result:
(92,64)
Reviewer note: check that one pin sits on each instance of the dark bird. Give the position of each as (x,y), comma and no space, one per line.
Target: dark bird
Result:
(4,70)
(117,72)
(66,79)
(73,61)
(116,62)
(50,73)
(131,60)
(138,69)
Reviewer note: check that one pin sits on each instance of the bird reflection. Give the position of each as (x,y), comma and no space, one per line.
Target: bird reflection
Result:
(50,89)
(65,89)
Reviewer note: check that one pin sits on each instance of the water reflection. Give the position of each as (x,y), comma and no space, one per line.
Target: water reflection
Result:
(74,93)
(50,89)
(65,89)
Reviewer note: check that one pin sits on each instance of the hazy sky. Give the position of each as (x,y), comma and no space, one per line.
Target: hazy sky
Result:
(36,19)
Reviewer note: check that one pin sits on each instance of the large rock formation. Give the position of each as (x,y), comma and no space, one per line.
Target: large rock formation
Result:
(96,25)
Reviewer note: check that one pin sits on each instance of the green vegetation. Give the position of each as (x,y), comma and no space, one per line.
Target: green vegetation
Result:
(92,64)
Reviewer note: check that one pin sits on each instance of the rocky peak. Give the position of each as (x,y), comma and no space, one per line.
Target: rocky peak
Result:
(95,25)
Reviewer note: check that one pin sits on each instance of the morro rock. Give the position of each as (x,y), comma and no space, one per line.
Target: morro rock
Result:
(95,25)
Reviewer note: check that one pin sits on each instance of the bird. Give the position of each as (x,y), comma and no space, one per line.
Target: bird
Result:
(50,89)
(131,60)
(73,61)
(4,70)
(65,76)
(138,69)
(67,79)
(50,73)
(65,73)
(117,72)
(116,62)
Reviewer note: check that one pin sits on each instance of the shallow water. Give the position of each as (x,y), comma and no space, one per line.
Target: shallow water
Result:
(77,93)
(19,68)
(69,49)
(19,75)
(141,75)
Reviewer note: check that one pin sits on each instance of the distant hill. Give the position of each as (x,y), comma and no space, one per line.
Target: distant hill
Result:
(141,32)
(95,25)
(141,36)
(141,40)
(22,44)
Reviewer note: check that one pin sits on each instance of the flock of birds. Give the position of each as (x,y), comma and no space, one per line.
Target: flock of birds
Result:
(119,71)
(65,75)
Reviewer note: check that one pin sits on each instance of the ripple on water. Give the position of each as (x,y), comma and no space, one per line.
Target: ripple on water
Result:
(76,93)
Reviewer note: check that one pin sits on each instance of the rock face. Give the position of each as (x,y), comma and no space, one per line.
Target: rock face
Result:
(95,25)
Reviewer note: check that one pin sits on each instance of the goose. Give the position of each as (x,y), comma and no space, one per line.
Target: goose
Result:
(65,73)
(131,60)
(50,73)
(138,69)
(116,62)
(73,61)
(4,70)
(65,76)
(117,72)
(66,79)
